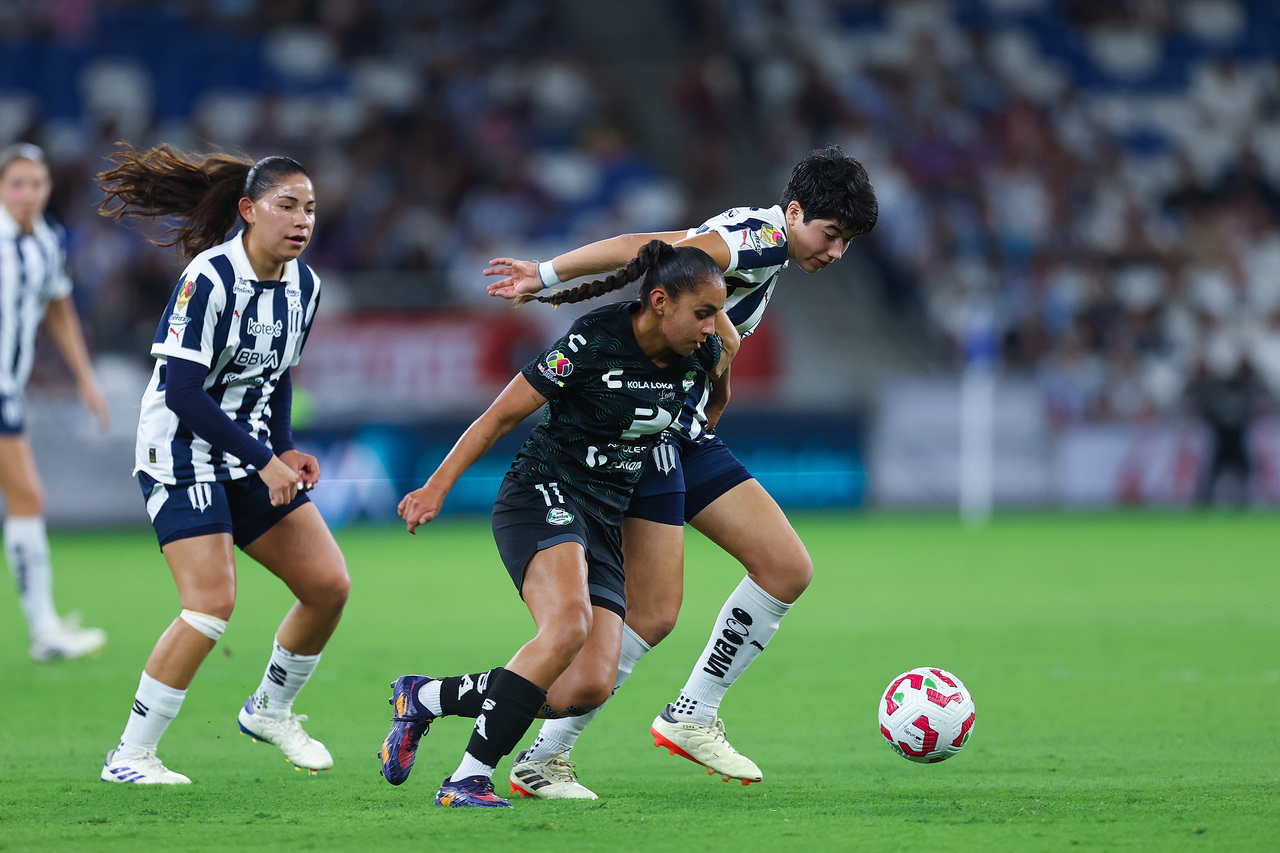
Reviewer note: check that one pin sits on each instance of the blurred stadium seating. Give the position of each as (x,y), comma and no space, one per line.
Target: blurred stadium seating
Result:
(1101,179)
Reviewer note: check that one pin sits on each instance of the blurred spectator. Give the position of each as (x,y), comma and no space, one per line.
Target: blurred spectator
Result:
(1107,173)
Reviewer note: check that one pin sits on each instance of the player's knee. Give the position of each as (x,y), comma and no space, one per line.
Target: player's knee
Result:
(567,632)
(209,625)
(329,590)
(653,626)
(217,603)
(25,500)
(785,578)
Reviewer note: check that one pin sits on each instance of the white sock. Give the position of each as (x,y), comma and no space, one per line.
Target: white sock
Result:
(471,766)
(286,674)
(429,697)
(748,620)
(154,707)
(26,547)
(557,736)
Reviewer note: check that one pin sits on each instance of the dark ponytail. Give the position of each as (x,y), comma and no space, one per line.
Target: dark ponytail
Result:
(202,193)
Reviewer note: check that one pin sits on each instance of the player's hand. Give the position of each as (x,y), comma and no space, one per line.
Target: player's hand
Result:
(281,481)
(306,466)
(95,402)
(419,507)
(520,277)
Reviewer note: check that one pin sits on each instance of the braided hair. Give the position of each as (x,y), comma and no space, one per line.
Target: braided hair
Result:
(676,269)
(201,192)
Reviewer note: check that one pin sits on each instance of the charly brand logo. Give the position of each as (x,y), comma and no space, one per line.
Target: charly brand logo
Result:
(559,516)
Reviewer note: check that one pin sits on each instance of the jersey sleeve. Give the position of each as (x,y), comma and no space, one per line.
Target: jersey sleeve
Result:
(561,366)
(58,284)
(756,238)
(311,286)
(188,326)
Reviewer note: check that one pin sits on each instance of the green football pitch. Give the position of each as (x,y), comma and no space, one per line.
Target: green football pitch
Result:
(1124,669)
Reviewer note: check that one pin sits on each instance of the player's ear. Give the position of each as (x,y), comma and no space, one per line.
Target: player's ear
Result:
(246,209)
(794,213)
(658,300)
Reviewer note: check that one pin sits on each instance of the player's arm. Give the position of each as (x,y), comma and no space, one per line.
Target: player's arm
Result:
(603,256)
(719,378)
(516,402)
(63,326)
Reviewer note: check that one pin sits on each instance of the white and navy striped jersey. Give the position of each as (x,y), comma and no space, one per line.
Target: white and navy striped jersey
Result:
(248,333)
(757,240)
(32,274)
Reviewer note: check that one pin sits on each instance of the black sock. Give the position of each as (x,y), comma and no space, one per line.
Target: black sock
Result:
(509,710)
(464,695)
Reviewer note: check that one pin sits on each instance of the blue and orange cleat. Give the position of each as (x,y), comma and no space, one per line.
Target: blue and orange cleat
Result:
(471,791)
(409,723)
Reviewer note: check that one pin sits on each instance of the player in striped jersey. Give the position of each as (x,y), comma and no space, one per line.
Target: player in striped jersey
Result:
(611,385)
(35,287)
(694,477)
(215,455)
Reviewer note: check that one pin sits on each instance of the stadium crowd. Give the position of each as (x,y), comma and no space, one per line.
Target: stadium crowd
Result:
(1100,178)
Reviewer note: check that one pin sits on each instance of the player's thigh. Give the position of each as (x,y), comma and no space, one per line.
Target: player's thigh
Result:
(204,570)
(555,589)
(301,551)
(748,523)
(653,556)
(19,479)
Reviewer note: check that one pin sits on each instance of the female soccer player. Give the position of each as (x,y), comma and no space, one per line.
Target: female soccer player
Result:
(215,455)
(694,477)
(612,384)
(33,285)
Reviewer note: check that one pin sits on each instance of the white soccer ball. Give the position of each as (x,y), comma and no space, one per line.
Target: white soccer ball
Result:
(926,715)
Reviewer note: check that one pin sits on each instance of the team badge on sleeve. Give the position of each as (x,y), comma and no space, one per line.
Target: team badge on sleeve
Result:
(555,367)
(184,295)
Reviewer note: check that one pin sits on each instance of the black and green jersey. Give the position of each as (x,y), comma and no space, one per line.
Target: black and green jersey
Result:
(607,404)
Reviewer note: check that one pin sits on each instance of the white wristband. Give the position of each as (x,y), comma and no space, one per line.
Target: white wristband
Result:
(547,275)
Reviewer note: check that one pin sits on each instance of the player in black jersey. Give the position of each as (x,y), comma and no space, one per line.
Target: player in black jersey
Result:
(693,477)
(611,385)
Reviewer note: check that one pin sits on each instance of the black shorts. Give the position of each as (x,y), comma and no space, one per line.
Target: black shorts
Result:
(527,520)
(682,477)
(239,507)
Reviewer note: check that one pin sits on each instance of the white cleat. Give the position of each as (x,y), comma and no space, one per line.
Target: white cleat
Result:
(67,640)
(285,732)
(551,778)
(139,768)
(703,744)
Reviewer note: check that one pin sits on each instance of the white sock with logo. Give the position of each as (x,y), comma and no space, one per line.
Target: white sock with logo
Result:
(154,707)
(557,736)
(748,620)
(287,673)
(26,548)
